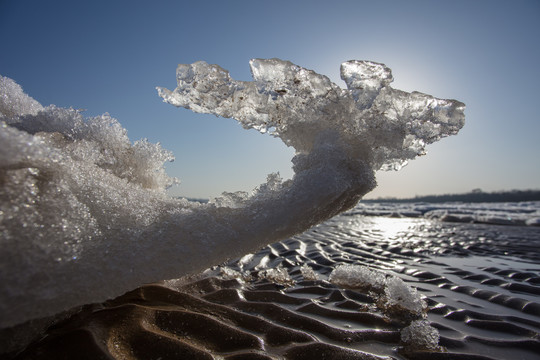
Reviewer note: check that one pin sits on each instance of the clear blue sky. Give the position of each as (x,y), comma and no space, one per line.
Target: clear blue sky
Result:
(108,56)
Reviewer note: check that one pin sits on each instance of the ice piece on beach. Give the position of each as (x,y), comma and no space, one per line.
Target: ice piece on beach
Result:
(278,275)
(84,215)
(308,273)
(393,294)
(401,297)
(358,277)
(420,335)
(229,274)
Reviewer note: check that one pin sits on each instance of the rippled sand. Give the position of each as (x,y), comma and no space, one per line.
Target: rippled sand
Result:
(481,282)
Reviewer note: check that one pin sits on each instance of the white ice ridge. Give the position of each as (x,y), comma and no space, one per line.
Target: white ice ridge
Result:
(83,211)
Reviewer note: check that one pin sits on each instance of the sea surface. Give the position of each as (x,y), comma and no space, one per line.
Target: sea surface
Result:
(479,281)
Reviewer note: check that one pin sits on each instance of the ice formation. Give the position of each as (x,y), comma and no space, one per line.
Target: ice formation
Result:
(401,298)
(393,295)
(83,211)
(308,273)
(278,275)
(420,335)
(358,277)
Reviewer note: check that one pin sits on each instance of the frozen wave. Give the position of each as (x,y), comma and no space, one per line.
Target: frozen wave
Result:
(83,211)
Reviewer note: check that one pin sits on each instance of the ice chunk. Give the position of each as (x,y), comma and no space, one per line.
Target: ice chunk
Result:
(308,273)
(278,275)
(403,299)
(358,277)
(365,79)
(420,335)
(229,274)
(83,211)
(392,294)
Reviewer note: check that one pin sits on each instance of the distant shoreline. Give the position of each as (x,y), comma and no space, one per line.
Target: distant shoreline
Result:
(475,196)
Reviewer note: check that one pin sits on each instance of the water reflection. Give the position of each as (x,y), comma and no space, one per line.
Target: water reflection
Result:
(387,228)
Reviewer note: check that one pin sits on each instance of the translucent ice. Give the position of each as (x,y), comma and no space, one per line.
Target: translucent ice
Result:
(369,122)
(83,211)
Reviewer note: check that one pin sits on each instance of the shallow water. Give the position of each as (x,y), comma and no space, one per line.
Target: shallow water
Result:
(481,283)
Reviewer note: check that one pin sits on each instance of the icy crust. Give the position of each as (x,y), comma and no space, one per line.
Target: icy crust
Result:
(83,212)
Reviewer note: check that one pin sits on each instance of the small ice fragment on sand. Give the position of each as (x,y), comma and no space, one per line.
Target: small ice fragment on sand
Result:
(230,274)
(358,277)
(308,273)
(278,275)
(420,335)
(393,295)
(401,297)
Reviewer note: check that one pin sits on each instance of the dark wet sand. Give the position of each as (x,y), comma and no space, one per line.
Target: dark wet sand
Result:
(481,282)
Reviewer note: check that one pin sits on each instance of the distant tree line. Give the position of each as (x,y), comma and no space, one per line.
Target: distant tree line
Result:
(476,195)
